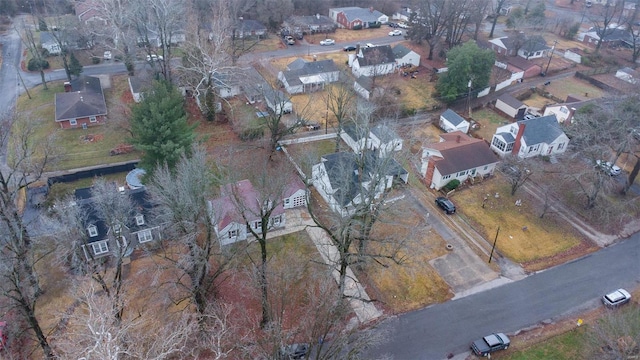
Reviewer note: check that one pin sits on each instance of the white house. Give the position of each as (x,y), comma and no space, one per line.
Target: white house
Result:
(229,223)
(356,136)
(456,157)
(564,112)
(277,101)
(295,194)
(528,138)
(226,84)
(340,179)
(527,47)
(374,61)
(405,56)
(49,43)
(511,106)
(384,140)
(306,76)
(364,87)
(450,121)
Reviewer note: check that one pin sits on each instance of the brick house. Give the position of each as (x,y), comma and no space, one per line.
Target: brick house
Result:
(82,104)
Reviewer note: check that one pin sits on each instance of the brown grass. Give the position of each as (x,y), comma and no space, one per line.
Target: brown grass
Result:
(489,121)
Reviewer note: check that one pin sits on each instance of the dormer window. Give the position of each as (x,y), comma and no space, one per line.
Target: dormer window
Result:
(139,219)
(93,231)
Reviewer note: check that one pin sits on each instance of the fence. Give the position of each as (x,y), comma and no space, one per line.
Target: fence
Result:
(94,171)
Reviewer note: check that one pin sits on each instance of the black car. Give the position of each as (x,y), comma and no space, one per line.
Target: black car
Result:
(490,343)
(349,48)
(446,205)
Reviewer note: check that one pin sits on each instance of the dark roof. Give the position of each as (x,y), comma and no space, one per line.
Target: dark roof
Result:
(511,101)
(308,68)
(296,64)
(458,155)
(377,55)
(366,82)
(453,117)
(520,62)
(355,132)
(343,172)
(248,25)
(617,34)
(312,20)
(354,13)
(384,133)
(534,43)
(254,84)
(540,130)
(85,99)
(400,51)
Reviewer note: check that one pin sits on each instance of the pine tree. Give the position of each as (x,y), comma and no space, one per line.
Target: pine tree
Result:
(75,68)
(159,127)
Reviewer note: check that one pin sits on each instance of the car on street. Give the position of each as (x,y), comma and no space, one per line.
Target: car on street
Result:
(403,25)
(327,42)
(395,33)
(294,351)
(349,48)
(616,298)
(289,40)
(446,205)
(369,45)
(608,167)
(154,57)
(490,343)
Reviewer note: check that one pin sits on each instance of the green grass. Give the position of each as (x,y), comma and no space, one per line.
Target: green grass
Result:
(562,347)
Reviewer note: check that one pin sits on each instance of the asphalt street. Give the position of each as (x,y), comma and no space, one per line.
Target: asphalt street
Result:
(434,332)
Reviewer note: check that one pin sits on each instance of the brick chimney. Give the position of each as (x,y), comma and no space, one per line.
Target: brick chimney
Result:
(67,86)
(458,139)
(516,146)
(572,111)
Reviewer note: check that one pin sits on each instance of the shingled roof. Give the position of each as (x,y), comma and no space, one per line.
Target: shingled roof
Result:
(541,130)
(84,100)
(377,55)
(461,152)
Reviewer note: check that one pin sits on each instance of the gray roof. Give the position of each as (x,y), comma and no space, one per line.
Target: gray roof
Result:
(534,43)
(355,132)
(296,64)
(377,55)
(354,13)
(365,82)
(312,20)
(511,101)
(453,117)
(400,51)
(248,25)
(384,133)
(254,84)
(541,130)
(507,137)
(308,69)
(85,99)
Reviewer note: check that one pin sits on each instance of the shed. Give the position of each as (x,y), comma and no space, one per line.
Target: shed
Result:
(450,121)
(511,106)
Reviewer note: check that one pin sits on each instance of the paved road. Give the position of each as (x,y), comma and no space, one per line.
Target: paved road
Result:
(436,331)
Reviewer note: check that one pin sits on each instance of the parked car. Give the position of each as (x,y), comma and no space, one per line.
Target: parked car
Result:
(403,25)
(395,33)
(289,40)
(107,55)
(616,298)
(294,351)
(349,48)
(528,117)
(446,205)
(392,24)
(369,45)
(490,343)
(608,167)
(3,335)
(154,57)
(327,42)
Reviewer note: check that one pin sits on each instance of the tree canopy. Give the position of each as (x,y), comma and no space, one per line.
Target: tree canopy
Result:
(466,62)
(159,127)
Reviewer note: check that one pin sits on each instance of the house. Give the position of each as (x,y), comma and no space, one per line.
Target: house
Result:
(82,104)
(564,112)
(529,68)
(229,223)
(253,85)
(528,138)
(384,140)
(49,43)
(357,18)
(405,56)
(122,234)
(88,13)
(226,84)
(346,179)
(374,61)
(307,76)
(628,74)
(246,28)
(153,38)
(614,36)
(450,121)
(457,156)
(310,24)
(295,194)
(511,106)
(527,47)
(138,84)
(277,101)
(404,14)
(356,137)
(364,87)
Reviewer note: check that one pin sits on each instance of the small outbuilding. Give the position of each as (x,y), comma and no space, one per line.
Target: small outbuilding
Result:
(450,121)
(511,106)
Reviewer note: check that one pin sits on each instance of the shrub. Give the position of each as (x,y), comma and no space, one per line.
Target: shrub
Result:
(375,25)
(118,57)
(95,60)
(35,65)
(251,134)
(452,185)
(408,111)
(357,27)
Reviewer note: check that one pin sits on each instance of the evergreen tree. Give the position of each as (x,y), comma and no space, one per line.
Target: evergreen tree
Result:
(468,65)
(159,127)
(75,68)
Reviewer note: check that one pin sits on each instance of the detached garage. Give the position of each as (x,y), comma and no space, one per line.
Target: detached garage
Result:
(511,106)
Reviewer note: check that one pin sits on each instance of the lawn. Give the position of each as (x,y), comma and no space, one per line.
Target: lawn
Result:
(562,347)
(78,147)
(573,86)
(523,236)
(489,121)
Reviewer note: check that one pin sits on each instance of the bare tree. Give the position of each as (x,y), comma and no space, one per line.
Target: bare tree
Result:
(25,163)
(340,99)
(604,21)
(429,23)
(28,39)
(499,4)
(517,171)
(614,336)
(118,28)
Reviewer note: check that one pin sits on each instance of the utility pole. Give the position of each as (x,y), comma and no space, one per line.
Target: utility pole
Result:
(555,42)
(469,97)
(23,85)
(494,245)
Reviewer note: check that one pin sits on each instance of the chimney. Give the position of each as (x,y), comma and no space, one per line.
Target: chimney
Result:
(67,86)
(569,118)
(318,16)
(458,139)
(516,146)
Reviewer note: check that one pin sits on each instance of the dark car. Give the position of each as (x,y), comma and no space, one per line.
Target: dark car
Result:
(446,205)
(349,48)
(294,351)
(490,343)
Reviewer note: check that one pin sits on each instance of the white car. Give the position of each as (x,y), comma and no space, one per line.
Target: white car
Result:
(616,298)
(403,25)
(107,55)
(327,42)
(369,45)
(395,33)
(608,167)
(154,57)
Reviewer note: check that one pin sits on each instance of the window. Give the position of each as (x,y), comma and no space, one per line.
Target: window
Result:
(299,201)
(257,224)
(461,173)
(486,167)
(139,219)
(233,233)
(93,231)
(560,146)
(286,202)
(446,177)
(92,119)
(100,247)
(509,147)
(145,236)
(498,144)
(276,221)
(73,122)
(472,172)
